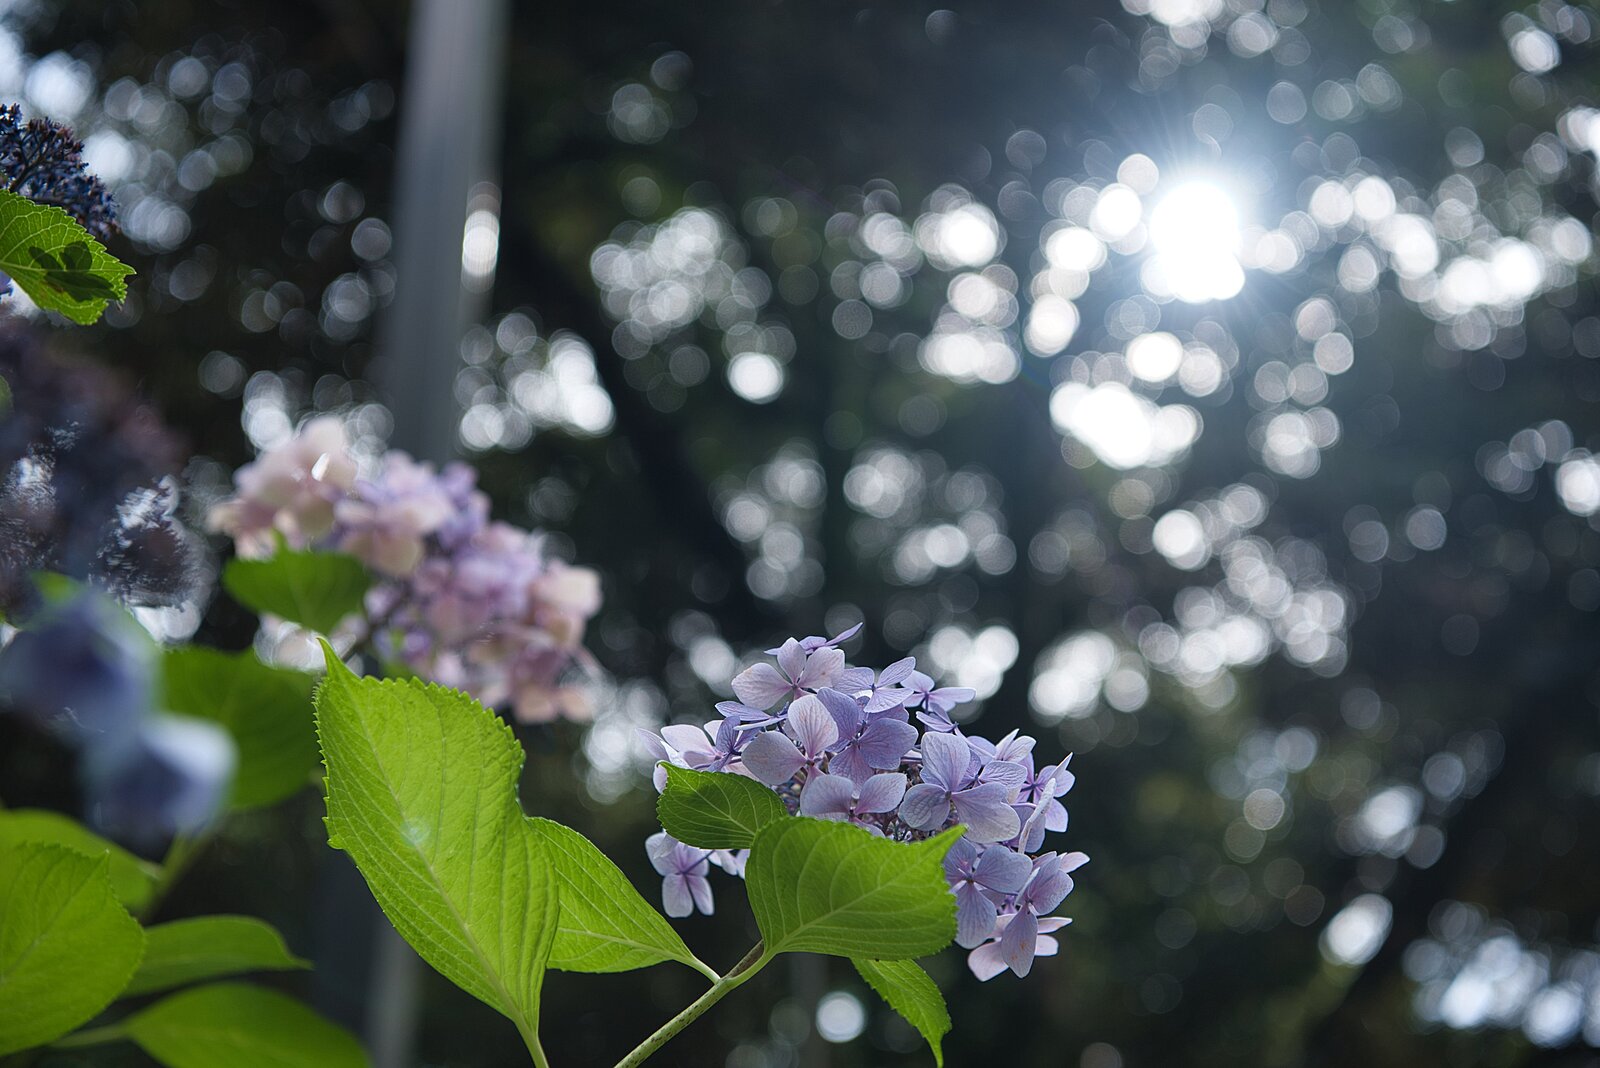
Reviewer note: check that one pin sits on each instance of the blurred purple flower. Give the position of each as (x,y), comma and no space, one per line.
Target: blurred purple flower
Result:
(384,524)
(83,668)
(85,483)
(170,778)
(475,605)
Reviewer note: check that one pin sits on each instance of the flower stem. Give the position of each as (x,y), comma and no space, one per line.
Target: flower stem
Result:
(534,1048)
(753,962)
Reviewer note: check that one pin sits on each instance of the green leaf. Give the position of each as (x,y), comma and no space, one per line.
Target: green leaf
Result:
(56,261)
(605,925)
(236,1024)
(132,880)
(909,991)
(716,810)
(66,946)
(266,709)
(313,589)
(187,951)
(422,795)
(824,887)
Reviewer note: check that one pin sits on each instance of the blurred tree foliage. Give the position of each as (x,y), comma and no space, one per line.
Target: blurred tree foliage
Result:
(777,344)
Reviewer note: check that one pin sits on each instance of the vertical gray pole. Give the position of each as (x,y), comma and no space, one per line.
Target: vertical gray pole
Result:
(449,138)
(449,141)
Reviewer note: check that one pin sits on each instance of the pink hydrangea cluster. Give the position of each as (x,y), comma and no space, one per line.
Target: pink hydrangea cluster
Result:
(460,599)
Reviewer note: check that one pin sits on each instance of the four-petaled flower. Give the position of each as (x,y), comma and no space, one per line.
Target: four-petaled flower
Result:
(978,877)
(774,759)
(867,743)
(683,868)
(985,808)
(762,685)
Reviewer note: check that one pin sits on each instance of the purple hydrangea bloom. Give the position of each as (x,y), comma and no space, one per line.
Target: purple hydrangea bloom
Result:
(984,808)
(684,886)
(842,743)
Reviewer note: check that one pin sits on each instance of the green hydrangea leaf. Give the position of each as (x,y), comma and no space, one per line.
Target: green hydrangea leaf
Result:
(820,886)
(266,709)
(909,991)
(132,880)
(716,810)
(605,925)
(208,947)
(56,261)
(237,1024)
(422,793)
(67,947)
(315,590)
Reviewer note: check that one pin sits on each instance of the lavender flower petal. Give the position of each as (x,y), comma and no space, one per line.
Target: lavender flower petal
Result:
(881,793)
(772,758)
(975,915)
(925,807)
(760,686)
(944,760)
(986,813)
(1001,870)
(885,743)
(828,797)
(1018,942)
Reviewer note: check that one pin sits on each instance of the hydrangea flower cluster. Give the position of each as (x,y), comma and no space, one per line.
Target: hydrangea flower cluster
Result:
(878,749)
(461,600)
(42,161)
